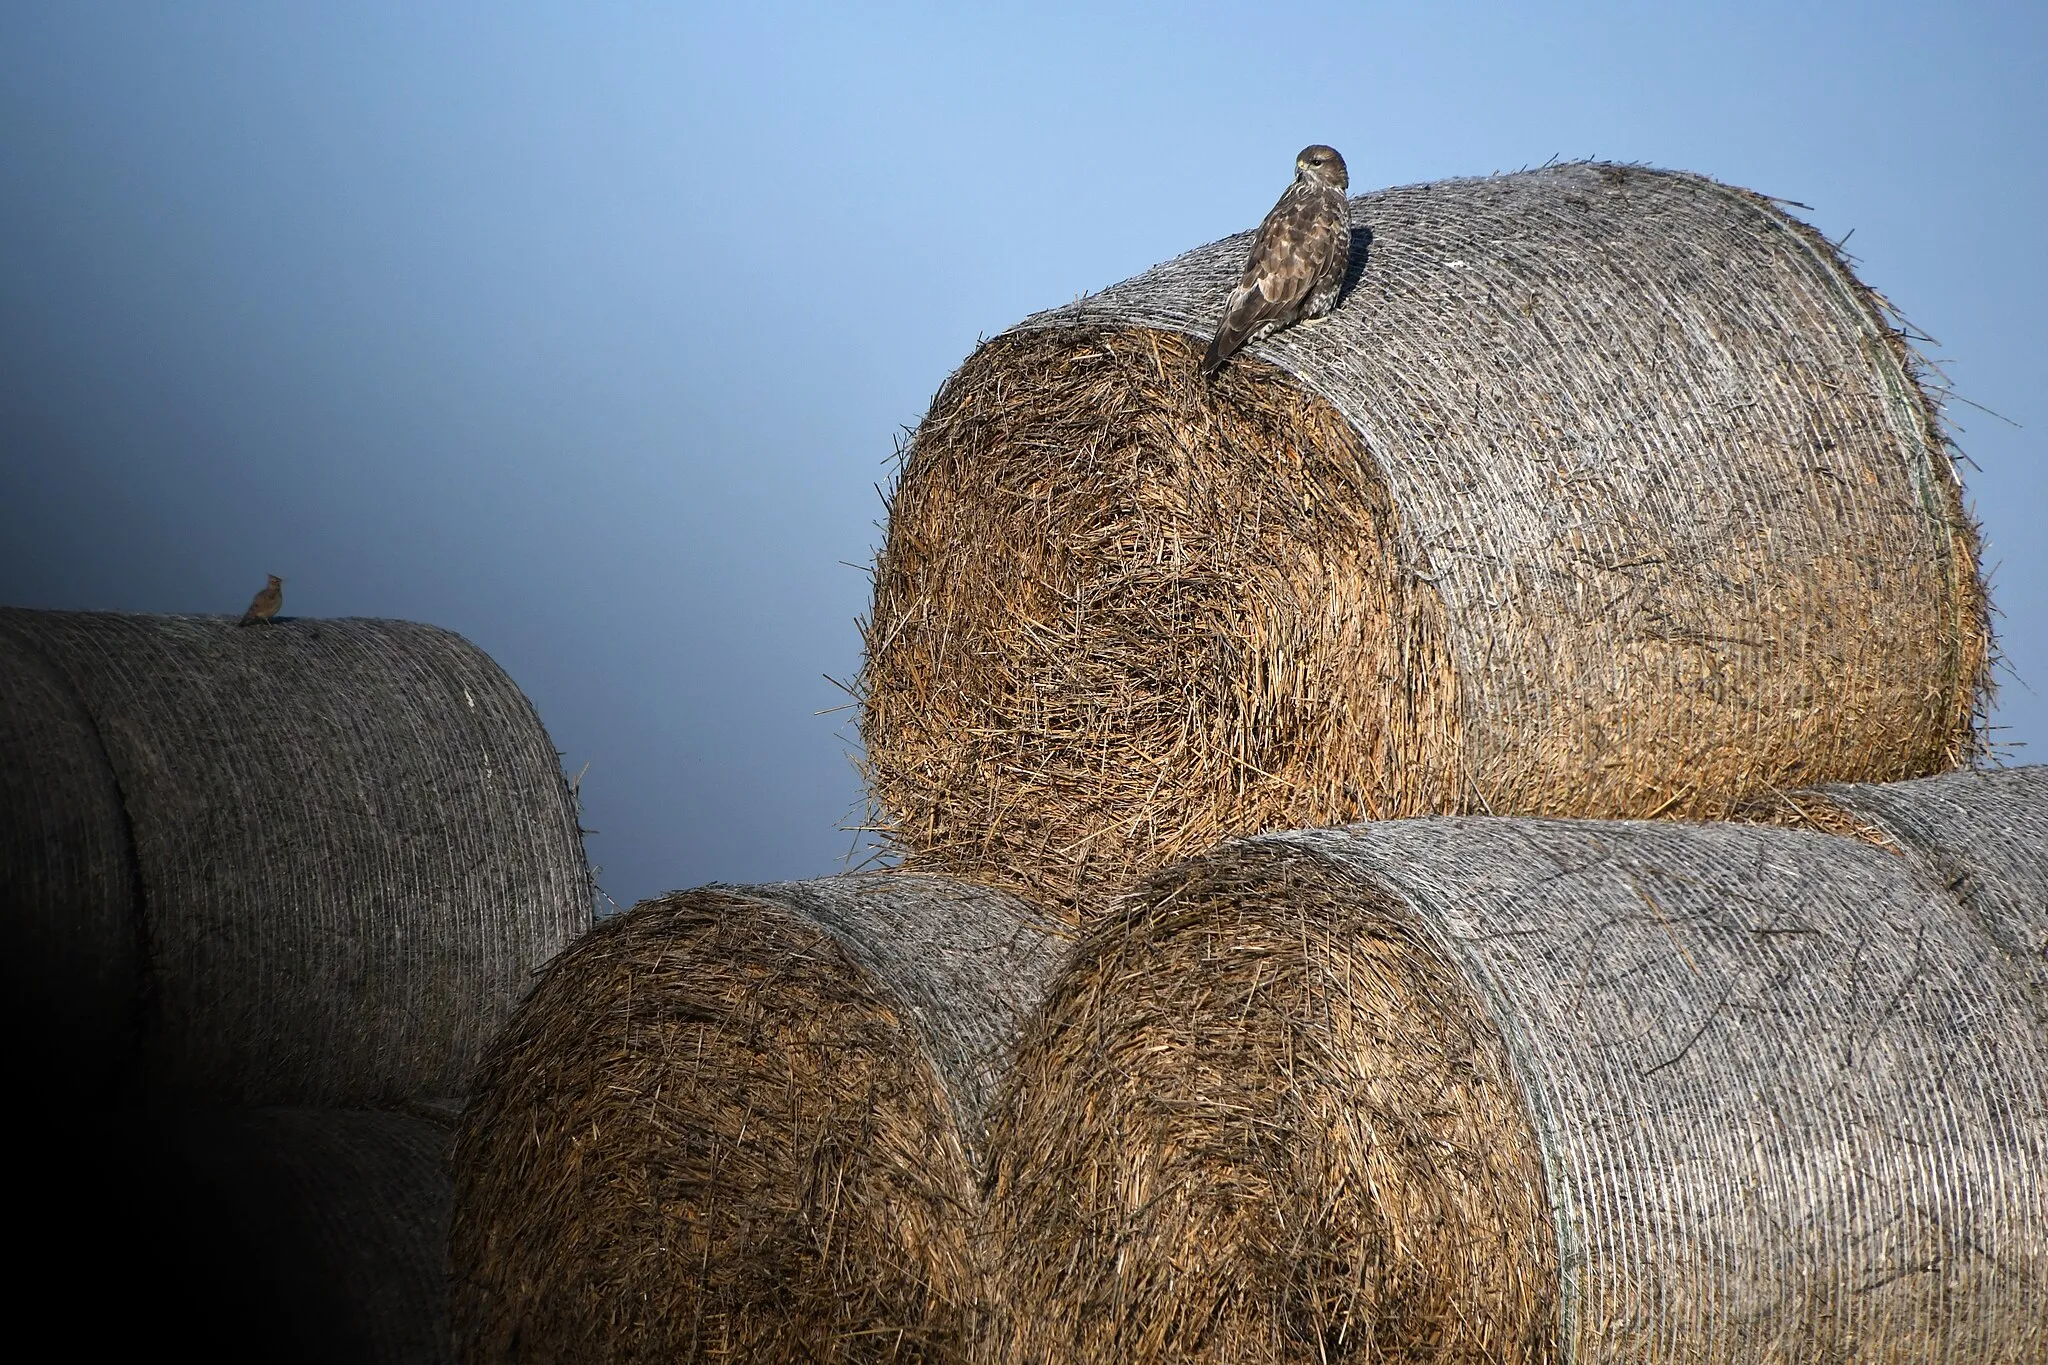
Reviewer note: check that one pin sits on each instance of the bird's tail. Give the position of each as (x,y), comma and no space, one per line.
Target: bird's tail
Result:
(1225,345)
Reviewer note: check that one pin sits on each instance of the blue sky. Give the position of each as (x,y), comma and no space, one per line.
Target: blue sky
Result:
(586,330)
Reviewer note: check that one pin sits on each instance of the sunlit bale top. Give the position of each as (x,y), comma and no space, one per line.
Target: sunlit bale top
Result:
(1605,491)
(1982,834)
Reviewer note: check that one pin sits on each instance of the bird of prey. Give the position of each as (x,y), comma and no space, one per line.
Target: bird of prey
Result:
(1297,261)
(266,602)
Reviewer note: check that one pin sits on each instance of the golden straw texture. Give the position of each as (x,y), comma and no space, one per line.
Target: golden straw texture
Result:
(1475,1089)
(1604,492)
(743,1124)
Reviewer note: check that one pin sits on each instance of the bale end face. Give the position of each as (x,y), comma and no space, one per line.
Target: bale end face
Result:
(711,1135)
(1123,614)
(1296,1139)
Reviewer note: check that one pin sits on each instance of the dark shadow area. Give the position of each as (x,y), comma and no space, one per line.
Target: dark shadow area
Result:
(227,1232)
(109,1213)
(1354,268)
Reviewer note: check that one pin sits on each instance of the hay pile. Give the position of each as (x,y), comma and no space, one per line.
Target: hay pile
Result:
(743,1124)
(1981,835)
(1605,492)
(313,863)
(1482,1090)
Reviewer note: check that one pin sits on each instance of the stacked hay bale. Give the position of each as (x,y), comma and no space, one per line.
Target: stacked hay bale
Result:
(1981,835)
(1605,492)
(1486,1090)
(259,881)
(744,1124)
(343,845)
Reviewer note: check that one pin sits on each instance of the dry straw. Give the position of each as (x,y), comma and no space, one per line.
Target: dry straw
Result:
(1497,1090)
(743,1124)
(1982,836)
(337,848)
(1605,492)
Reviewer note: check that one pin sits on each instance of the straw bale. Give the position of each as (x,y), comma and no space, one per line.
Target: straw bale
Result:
(1470,1089)
(1980,835)
(1808,809)
(1604,492)
(742,1124)
(319,1235)
(348,842)
(72,956)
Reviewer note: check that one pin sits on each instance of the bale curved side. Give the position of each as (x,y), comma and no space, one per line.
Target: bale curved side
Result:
(741,1124)
(1651,1092)
(1605,492)
(69,901)
(1260,1118)
(353,842)
(1980,835)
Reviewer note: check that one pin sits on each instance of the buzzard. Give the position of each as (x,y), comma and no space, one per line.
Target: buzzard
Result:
(264,605)
(1297,261)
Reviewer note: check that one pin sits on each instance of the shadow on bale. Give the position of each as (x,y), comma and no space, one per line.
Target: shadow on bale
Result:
(313,863)
(246,1234)
(329,1230)
(75,948)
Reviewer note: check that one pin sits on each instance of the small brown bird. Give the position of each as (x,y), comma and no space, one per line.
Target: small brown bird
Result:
(1297,261)
(266,602)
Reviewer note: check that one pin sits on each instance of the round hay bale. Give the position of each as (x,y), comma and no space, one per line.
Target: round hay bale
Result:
(318,1235)
(1604,492)
(1494,1090)
(1980,835)
(350,843)
(741,1124)
(73,951)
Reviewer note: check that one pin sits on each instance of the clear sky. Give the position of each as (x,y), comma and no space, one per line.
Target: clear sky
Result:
(586,329)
